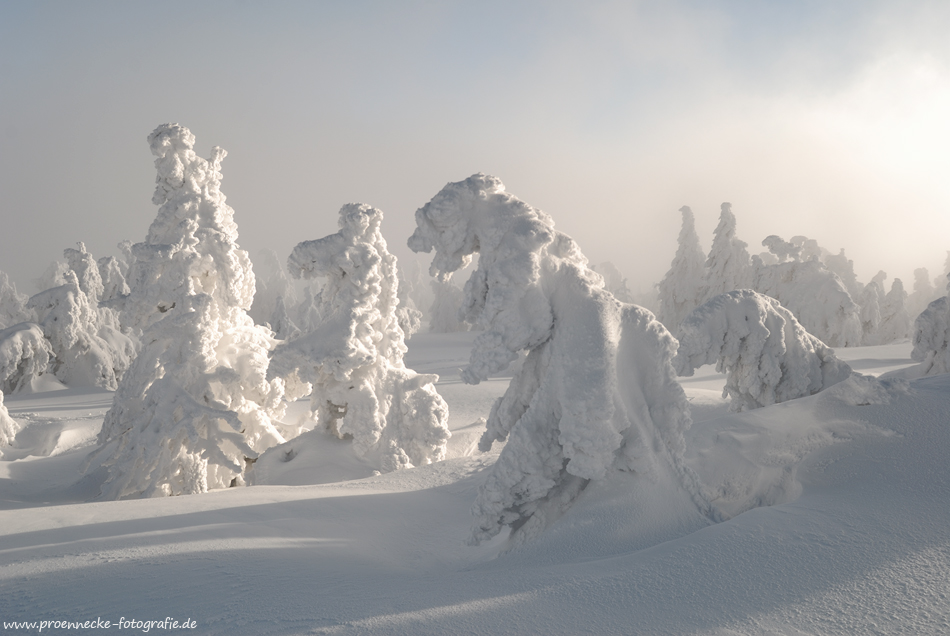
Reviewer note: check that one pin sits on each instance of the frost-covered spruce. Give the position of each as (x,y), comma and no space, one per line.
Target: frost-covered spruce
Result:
(443,314)
(767,355)
(895,321)
(681,290)
(816,296)
(8,426)
(13,307)
(354,358)
(88,348)
(87,272)
(729,266)
(24,356)
(597,391)
(195,408)
(114,285)
(932,337)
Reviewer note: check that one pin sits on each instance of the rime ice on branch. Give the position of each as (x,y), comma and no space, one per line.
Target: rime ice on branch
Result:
(597,390)
(767,355)
(354,359)
(195,408)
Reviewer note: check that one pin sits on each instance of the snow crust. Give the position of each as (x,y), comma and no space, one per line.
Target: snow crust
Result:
(767,356)
(596,391)
(354,358)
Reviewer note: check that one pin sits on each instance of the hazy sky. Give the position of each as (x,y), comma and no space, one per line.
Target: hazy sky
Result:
(828,119)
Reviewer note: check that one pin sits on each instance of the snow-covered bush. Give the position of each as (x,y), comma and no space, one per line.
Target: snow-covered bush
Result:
(195,408)
(597,390)
(8,426)
(767,355)
(817,298)
(932,338)
(681,290)
(443,314)
(87,348)
(13,307)
(729,266)
(354,358)
(24,356)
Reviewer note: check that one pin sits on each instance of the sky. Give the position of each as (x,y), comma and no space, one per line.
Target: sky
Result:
(823,119)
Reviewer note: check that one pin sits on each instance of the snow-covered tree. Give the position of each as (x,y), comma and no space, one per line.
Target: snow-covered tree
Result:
(114,285)
(87,272)
(597,391)
(729,266)
(767,355)
(895,322)
(281,323)
(354,358)
(870,303)
(843,268)
(923,293)
(8,426)
(443,314)
(87,347)
(817,298)
(25,354)
(932,337)
(272,282)
(13,307)
(195,408)
(682,289)
(615,282)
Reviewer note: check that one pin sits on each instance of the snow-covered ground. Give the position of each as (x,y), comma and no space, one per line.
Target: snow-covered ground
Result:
(836,507)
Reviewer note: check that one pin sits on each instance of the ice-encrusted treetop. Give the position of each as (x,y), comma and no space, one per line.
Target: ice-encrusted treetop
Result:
(191,246)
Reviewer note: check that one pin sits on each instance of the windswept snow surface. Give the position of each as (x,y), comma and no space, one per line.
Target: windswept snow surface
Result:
(837,512)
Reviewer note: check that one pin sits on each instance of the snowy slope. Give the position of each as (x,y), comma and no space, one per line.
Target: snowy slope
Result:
(856,539)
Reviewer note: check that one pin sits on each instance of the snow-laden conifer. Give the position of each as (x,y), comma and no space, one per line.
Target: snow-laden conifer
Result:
(817,298)
(932,338)
(728,266)
(8,426)
(114,285)
(443,314)
(682,289)
(597,390)
(354,358)
(895,321)
(88,348)
(13,307)
(767,355)
(195,408)
(24,356)
(87,272)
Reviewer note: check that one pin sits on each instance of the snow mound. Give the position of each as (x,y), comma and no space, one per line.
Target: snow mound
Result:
(767,355)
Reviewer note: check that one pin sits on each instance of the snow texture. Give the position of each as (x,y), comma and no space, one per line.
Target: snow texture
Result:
(195,409)
(597,390)
(354,358)
(932,337)
(767,355)
(681,290)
